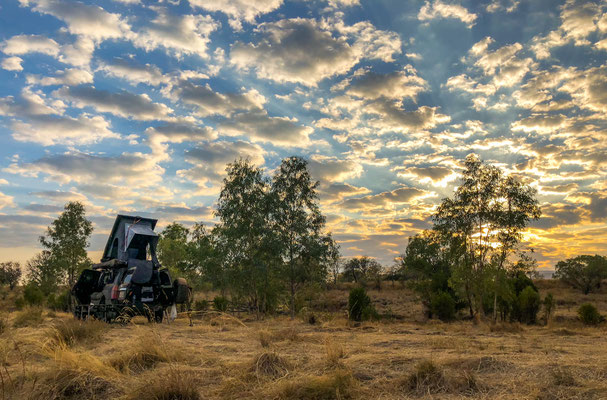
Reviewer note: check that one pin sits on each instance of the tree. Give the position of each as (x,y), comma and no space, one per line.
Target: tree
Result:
(67,239)
(334,260)
(486,216)
(173,248)
(583,272)
(10,273)
(299,223)
(245,241)
(43,272)
(362,269)
(203,256)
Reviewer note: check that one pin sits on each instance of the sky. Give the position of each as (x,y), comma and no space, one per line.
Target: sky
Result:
(135,106)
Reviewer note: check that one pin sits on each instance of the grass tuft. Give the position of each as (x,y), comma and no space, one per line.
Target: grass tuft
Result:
(145,353)
(427,377)
(338,384)
(173,383)
(73,331)
(506,327)
(31,316)
(334,353)
(270,364)
(265,339)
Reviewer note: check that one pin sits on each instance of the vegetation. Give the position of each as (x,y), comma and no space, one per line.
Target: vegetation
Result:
(583,272)
(10,273)
(589,314)
(359,305)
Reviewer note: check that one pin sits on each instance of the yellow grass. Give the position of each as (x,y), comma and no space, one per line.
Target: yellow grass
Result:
(279,358)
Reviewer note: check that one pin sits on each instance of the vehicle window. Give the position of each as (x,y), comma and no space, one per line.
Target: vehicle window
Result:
(127,279)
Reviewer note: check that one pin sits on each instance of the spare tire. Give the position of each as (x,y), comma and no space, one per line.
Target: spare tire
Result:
(181,291)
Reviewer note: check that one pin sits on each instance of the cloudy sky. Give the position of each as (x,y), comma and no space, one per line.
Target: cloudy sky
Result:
(137,105)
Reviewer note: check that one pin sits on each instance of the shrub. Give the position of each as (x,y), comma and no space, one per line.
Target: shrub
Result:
(32,295)
(427,377)
(221,303)
(549,305)
(359,305)
(59,302)
(529,305)
(270,364)
(442,305)
(589,315)
(28,317)
(201,305)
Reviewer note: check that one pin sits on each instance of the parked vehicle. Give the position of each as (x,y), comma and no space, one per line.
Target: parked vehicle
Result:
(129,280)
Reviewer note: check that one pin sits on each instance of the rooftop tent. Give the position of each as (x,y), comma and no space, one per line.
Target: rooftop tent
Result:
(131,238)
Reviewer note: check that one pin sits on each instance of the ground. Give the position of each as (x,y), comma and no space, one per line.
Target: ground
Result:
(52,356)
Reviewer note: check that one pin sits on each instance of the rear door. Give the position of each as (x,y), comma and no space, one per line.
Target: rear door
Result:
(86,285)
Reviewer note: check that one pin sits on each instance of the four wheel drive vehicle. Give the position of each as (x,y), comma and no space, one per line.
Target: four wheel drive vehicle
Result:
(129,280)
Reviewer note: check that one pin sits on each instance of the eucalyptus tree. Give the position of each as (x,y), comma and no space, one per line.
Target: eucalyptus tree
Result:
(583,272)
(245,238)
(10,273)
(486,216)
(299,225)
(66,240)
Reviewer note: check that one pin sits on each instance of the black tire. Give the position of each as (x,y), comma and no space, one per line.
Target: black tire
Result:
(158,316)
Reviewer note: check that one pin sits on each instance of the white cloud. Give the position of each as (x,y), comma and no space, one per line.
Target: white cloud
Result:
(178,34)
(332,169)
(147,74)
(383,200)
(394,85)
(70,76)
(238,10)
(6,200)
(177,132)
(12,64)
(24,44)
(438,9)
(392,117)
(82,19)
(123,104)
(305,51)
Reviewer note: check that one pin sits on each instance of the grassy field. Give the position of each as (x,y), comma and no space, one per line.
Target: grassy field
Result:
(46,355)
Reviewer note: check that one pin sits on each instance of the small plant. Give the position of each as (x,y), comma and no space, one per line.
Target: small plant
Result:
(589,315)
(30,316)
(529,305)
(73,331)
(338,384)
(221,303)
(334,353)
(171,383)
(201,305)
(32,295)
(442,305)
(270,364)
(359,305)
(427,377)
(549,303)
(265,339)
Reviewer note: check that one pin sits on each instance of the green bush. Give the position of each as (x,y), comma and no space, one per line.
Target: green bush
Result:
(32,295)
(359,305)
(442,305)
(529,305)
(221,303)
(201,305)
(549,304)
(589,315)
(59,302)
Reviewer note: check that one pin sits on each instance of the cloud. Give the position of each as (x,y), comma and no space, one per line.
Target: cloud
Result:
(383,200)
(238,10)
(434,174)
(339,191)
(260,127)
(123,104)
(133,169)
(394,85)
(438,9)
(177,132)
(70,76)
(332,169)
(25,44)
(34,120)
(178,34)
(12,64)
(147,74)
(59,196)
(305,51)
(392,117)
(6,201)
(82,19)
(210,161)
(540,123)
(210,102)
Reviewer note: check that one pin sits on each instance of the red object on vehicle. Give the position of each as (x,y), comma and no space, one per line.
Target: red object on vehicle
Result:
(115,292)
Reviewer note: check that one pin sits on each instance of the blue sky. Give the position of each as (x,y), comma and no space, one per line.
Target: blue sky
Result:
(136,106)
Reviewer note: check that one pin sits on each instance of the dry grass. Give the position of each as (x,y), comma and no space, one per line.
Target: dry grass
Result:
(221,357)
(72,331)
(31,316)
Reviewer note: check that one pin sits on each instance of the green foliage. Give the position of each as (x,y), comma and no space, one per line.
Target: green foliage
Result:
(362,269)
(59,302)
(548,304)
(201,305)
(10,273)
(529,305)
(487,208)
(32,295)
(589,314)
(67,239)
(359,305)
(221,303)
(44,272)
(583,272)
(442,305)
